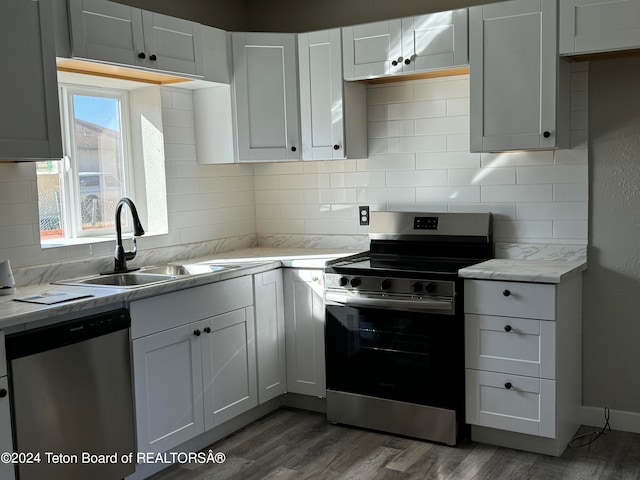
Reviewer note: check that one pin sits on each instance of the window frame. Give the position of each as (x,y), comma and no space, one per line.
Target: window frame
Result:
(70,179)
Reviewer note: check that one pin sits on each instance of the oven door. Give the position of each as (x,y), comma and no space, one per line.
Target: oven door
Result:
(399,355)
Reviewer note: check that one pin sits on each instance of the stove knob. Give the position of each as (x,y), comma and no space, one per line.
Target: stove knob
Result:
(385,284)
(430,287)
(416,287)
(343,281)
(355,282)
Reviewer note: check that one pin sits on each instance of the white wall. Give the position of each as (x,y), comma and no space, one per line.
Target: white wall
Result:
(419,159)
(612,283)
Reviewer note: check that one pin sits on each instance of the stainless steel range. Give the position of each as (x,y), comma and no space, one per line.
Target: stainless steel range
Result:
(395,324)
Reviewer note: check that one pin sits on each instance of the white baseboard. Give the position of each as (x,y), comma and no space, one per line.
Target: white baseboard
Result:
(619,420)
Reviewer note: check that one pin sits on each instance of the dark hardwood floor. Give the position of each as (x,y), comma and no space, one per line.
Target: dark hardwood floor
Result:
(296,444)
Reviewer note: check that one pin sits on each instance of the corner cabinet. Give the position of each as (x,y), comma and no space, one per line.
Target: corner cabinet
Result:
(413,44)
(333,113)
(519,87)
(304,328)
(268,288)
(265,97)
(115,33)
(602,26)
(30,120)
(523,358)
(194,362)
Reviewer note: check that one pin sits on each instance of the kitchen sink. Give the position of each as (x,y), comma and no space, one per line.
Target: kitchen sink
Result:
(190,269)
(126,280)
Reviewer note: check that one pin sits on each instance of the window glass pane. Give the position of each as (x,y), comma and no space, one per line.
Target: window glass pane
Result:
(99,159)
(50,199)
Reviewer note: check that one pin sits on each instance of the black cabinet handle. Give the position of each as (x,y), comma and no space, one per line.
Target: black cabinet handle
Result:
(507,328)
(336,147)
(546,134)
(394,63)
(207,329)
(508,385)
(506,293)
(142,55)
(3,392)
(197,333)
(407,61)
(293,149)
(153,58)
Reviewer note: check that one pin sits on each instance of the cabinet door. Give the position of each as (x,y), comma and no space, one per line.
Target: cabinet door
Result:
(514,64)
(30,120)
(304,328)
(511,402)
(167,369)
(599,26)
(321,99)
(107,31)
(437,40)
(229,366)
(265,96)
(372,50)
(172,44)
(270,346)
(7,471)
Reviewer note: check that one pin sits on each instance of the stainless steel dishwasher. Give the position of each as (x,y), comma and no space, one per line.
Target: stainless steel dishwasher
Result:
(72,398)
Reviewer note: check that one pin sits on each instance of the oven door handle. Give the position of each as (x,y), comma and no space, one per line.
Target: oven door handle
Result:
(441,306)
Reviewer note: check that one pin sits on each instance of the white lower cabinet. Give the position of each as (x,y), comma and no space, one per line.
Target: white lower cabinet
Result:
(7,471)
(270,337)
(304,328)
(194,361)
(523,359)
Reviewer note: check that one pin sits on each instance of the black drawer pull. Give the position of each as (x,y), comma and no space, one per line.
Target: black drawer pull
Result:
(508,385)
(197,333)
(506,293)
(3,392)
(507,328)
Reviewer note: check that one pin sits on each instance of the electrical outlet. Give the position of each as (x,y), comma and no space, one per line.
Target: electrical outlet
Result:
(363,214)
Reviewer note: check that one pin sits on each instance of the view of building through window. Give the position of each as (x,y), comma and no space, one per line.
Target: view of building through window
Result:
(77,196)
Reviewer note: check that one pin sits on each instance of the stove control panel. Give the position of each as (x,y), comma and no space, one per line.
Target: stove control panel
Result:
(425,223)
(390,285)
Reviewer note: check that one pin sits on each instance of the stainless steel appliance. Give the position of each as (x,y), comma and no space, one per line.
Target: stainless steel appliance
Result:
(72,398)
(395,324)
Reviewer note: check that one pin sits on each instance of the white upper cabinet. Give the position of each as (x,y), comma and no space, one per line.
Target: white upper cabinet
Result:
(592,26)
(519,86)
(413,44)
(265,82)
(30,120)
(116,33)
(333,114)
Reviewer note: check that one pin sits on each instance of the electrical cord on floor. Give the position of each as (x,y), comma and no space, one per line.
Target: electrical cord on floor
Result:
(588,438)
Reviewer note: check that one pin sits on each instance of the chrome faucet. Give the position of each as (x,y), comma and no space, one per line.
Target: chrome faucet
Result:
(120,255)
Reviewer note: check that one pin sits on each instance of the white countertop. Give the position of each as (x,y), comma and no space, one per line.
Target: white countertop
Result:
(536,271)
(16,315)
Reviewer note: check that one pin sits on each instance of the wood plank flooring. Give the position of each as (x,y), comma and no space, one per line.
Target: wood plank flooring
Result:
(296,444)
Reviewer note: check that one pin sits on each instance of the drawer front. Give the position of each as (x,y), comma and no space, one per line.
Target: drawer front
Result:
(510,299)
(155,314)
(511,402)
(510,345)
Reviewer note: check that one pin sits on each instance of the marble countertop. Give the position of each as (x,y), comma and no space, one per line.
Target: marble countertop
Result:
(536,271)
(15,316)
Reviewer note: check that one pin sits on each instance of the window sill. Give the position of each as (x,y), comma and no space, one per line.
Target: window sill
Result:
(70,242)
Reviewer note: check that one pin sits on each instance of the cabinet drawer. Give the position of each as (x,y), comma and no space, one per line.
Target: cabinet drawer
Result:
(510,299)
(510,345)
(511,402)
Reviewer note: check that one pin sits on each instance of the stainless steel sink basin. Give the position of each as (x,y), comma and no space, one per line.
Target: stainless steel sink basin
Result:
(126,280)
(189,269)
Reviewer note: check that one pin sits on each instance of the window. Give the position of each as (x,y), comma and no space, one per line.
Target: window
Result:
(78,195)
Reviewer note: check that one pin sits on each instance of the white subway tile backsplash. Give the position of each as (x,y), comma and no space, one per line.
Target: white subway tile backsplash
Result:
(482,176)
(423,143)
(446,125)
(279,196)
(413,110)
(357,179)
(321,227)
(272,225)
(416,178)
(571,192)
(505,230)
(331,196)
(280,168)
(181,100)
(457,106)
(457,194)
(305,211)
(15,192)
(516,159)
(456,87)
(378,146)
(266,182)
(447,160)
(570,229)
(553,211)
(398,161)
(500,211)
(458,142)
(568,157)
(390,94)
(376,113)
(384,195)
(172,117)
(552,174)
(517,193)
(287,182)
